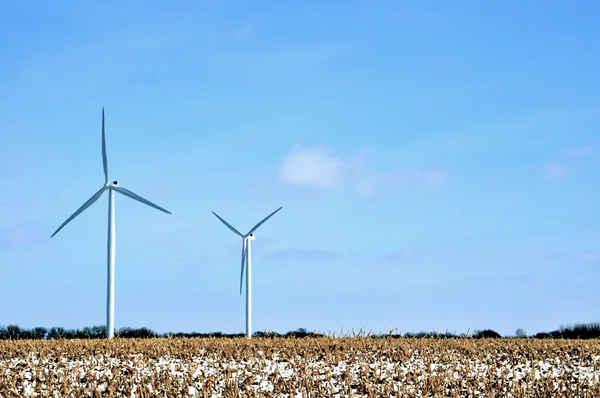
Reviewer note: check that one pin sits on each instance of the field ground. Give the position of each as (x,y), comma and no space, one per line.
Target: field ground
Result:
(314,367)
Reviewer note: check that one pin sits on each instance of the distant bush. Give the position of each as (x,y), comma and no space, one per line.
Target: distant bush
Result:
(141,333)
(39,333)
(486,334)
(301,333)
(580,331)
(577,331)
(14,332)
(520,333)
(56,333)
(268,335)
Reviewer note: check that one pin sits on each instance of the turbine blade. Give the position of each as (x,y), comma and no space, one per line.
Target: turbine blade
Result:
(228,225)
(137,197)
(244,255)
(81,209)
(263,221)
(104,157)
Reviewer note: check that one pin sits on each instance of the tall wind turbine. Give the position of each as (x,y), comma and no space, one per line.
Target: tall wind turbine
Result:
(247,259)
(111,187)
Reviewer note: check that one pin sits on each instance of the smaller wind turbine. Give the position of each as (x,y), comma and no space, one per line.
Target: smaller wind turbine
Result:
(111,187)
(247,259)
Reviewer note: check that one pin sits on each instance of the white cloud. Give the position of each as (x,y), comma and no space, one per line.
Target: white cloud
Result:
(312,167)
(555,170)
(588,257)
(316,167)
(434,178)
(405,255)
(17,236)
(304,254)
(578,152)
(568,161)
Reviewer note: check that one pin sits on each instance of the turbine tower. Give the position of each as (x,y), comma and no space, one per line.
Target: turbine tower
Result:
(247,259)
(111,187)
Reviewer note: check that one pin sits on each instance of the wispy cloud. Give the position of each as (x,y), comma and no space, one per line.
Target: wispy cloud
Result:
(241,33)
(316,167)
(311,167)
(265,246)
(578,152)
(110,56)
(407,254)
(588,257)
(14,201)
(568,161)
(304,254)
(18,236)
(12,165)
(192,261)
(426,177)
(311,54)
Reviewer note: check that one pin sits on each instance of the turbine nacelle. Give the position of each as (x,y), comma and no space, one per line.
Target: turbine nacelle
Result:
(112,187)
(245,247)
(108,185)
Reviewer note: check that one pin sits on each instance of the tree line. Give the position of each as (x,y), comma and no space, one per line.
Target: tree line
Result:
(14,332)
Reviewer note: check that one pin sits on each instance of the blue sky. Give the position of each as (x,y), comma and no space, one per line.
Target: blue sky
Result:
(437,163)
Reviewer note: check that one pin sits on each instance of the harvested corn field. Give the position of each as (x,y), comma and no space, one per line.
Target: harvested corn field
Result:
(300,367)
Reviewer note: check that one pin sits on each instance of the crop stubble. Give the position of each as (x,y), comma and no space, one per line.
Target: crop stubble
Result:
(301,367)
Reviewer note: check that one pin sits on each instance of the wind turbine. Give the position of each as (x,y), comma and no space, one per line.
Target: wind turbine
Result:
(247,259)
(111,187)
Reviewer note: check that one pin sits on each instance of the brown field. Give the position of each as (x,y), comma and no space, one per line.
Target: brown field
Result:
(310,367)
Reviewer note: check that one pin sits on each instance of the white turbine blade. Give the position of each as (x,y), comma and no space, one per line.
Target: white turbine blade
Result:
(228,225)
(81,209)
(244,255)
(263,221)
(104,158)
(137,197)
